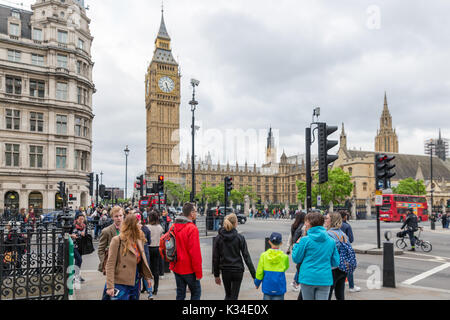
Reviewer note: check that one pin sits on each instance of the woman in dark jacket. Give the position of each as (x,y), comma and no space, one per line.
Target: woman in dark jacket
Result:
(148,236)
(229,249)
(296,233)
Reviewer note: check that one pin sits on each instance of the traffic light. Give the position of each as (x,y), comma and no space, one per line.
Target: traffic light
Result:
(383,173)
(228,184)
(62,189)
(161,184)
(91,183)
(324,146)
(140,184)
(72,197)
(101,191)
(108,195)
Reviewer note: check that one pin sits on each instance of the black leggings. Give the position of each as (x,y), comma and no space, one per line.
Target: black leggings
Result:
(155,265)
(232,284)
(338,285)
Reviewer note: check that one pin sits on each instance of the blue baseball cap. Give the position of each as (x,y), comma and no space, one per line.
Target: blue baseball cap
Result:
(276,238)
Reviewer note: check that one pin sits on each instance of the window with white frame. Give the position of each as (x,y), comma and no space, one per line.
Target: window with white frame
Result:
(14,29)
(61,158)
(78,129)
(62,61)
(37,34)
(61,124)
(12,155)
(12,119)
(36,122)
(61,91)
(37,59)
(78,67)
(15,14)
(62,36)
(14,55)
(36,156)
(80,44)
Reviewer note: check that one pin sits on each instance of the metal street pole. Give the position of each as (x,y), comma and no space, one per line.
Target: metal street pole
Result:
(127,152)
(308,170)
(96,190)
(194,105)
(101,177)
(431,174)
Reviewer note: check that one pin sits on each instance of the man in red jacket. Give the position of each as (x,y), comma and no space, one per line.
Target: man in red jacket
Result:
(188,266)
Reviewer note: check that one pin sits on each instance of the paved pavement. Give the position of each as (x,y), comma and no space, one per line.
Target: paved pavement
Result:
(418,275)
(95,282)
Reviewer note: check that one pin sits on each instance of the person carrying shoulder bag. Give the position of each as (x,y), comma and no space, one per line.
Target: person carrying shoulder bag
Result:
(127,263)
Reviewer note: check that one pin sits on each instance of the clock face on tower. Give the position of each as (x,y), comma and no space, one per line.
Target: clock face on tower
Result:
(166,84)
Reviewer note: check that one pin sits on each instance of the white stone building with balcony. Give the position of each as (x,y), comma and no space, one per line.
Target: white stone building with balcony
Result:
(46,112)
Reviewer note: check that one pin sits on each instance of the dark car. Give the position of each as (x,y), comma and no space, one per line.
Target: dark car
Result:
(55,217)
(242,219)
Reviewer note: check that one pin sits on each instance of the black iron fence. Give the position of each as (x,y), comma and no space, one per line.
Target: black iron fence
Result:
(34,259)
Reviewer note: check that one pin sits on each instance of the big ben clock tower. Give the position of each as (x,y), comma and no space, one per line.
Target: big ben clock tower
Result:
(162,100)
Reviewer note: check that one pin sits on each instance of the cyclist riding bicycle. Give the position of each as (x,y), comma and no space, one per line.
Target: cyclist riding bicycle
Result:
(411,224)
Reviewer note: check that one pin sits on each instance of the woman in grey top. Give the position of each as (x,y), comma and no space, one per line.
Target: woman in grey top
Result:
(155,258)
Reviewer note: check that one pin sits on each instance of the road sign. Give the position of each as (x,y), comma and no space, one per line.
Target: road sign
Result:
(378,200)
(379,193)
(319,201)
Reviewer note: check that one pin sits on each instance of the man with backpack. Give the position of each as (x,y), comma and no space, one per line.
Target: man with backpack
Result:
(181,246)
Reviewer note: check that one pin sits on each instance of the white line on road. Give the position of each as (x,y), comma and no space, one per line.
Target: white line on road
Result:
(426,274)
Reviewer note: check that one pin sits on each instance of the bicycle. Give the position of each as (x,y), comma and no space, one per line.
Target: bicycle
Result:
(424,245)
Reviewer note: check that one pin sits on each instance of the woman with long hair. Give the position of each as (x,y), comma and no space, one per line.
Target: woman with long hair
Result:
(229,249)
(297,231)
(127,262)
(79,231)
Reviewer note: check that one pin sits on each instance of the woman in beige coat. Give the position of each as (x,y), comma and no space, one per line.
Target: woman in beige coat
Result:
(127,262)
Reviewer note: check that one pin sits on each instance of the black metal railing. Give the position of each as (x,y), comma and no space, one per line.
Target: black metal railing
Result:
(34,259)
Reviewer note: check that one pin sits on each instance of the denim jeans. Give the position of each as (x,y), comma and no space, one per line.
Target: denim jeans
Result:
(216,224)
(351,282)
(315,292)
(267,297)
(190,281)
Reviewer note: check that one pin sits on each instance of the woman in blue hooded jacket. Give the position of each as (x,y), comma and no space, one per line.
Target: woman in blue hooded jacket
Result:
(317,254)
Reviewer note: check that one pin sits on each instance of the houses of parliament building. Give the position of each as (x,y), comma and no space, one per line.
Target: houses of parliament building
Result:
(275,181)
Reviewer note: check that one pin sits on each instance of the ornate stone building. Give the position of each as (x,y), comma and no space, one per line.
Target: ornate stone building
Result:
(46,113)
(386,139)
(274,182)
(360,165)
(162,100)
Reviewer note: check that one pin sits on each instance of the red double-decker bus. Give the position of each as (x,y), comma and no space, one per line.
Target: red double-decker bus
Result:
(151,201)
(395,207)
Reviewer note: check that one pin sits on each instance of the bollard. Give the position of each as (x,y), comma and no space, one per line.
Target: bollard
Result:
(267,244)
(388,265)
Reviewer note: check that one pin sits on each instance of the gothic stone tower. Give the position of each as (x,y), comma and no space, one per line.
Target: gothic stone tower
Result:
(386,140)
(162,100)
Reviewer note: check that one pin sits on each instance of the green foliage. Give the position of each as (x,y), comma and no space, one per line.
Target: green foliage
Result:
(410,186)
(174,192)
(336,190)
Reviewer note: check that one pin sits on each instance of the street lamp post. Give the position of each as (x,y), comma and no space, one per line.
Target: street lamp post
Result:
(431,175)
(101,177)
(193,104)
(127,152)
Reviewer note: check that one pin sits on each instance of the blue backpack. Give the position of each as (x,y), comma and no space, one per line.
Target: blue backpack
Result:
(347,255)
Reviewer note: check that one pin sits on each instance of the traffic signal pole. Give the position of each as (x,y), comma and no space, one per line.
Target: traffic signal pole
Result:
(308,170)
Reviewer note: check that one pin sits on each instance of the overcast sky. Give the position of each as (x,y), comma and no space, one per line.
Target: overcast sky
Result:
(267,62)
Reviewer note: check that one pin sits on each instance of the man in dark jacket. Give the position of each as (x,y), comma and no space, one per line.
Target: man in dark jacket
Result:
(412,226)
(227,249)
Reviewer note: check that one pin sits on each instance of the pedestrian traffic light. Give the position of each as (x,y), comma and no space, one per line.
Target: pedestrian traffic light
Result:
(383,173)
(140,185)
(228,184)
(90,180)
(324,146)
(62,189)
(101,191)
(160,184)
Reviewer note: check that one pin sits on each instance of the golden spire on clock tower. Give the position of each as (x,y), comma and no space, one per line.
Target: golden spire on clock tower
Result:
(162,98)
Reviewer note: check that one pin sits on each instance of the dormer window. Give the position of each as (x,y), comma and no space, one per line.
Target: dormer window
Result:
(15,14)
(14,29)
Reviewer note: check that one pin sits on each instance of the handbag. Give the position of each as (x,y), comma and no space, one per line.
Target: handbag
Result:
(87,245)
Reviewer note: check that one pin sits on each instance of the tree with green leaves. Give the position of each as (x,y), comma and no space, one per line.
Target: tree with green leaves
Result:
(174,192)
(301,187)
(410,186)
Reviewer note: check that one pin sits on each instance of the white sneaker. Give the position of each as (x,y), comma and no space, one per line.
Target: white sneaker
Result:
(355,289)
